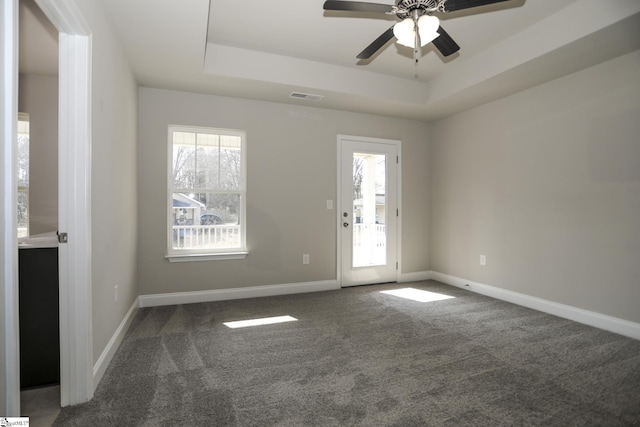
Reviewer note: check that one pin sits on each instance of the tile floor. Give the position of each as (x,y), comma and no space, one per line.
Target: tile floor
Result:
(41,405)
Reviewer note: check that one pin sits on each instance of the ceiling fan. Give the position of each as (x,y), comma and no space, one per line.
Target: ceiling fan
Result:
(417,27)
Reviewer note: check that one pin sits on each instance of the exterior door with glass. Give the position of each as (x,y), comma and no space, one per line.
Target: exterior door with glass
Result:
(368,210)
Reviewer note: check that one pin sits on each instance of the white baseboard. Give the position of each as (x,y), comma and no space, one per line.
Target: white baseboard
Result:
(414,277)
(591,318)
(107,354)
(155,300)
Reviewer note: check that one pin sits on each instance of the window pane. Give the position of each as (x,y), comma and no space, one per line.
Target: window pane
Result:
(218,161)
(23,213)
(184,159)
(206,221)
(225,206)
(23,174)
(231,163)
(208,161)
(23,155)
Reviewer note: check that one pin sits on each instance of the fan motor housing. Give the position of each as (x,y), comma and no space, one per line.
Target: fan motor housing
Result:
(406,7)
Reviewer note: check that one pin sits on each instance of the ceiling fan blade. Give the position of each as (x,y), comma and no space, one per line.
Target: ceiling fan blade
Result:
(377,44)
(452,5)
(355,6)
(445,44)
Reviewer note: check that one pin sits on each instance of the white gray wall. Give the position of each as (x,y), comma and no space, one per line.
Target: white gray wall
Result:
(546,183)
(38,96)
(113,179)
(291,158)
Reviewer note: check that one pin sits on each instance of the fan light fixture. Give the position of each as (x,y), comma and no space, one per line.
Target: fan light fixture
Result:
(427,30)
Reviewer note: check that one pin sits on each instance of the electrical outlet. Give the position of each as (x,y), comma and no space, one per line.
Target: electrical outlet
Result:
(115,293)
(305,258)
(483,260)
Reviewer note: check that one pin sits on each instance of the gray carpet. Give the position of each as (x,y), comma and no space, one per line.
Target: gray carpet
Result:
(360,357)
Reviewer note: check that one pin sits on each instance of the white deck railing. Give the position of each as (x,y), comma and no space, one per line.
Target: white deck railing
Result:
(369,244)
(363,234)
(228,236)
(206,236)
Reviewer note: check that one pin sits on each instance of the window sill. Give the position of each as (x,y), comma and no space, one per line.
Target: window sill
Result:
(206,257)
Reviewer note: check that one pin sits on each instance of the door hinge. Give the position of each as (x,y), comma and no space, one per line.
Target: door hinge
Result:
(397,159)
(397,212)
(62,237)
(396,265)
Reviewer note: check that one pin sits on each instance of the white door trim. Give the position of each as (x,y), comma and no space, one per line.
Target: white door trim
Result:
(74,204)
(76,350)
(398,146)
(9,332)
(74,218)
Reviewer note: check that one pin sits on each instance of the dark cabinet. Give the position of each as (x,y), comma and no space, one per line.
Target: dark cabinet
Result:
(39,317)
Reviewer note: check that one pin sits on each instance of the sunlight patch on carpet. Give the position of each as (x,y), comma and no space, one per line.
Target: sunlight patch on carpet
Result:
(259,322)
(417,295)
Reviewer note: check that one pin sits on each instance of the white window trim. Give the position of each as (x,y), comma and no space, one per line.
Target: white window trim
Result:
(192,255)
(206,257)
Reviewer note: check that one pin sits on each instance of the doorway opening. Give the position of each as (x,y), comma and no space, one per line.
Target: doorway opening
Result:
(74,173)
(39,320)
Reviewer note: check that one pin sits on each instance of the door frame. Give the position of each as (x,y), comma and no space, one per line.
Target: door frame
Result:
(364,139)
(9,331)
(76,348)
(74,199)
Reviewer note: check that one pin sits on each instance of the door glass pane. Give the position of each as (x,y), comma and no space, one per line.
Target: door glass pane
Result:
(369,210)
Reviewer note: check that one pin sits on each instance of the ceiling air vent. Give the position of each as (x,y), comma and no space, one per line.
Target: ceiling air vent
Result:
(306,96)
